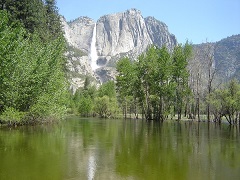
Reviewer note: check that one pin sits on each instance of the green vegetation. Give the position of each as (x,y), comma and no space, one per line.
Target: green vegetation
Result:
(90,101)
(157,83)
(158,86)
(32,79)
(226,103)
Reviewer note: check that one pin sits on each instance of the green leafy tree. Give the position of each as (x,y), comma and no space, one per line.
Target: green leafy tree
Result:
(31,13)
(85,106)
(36,16)
(106,107)
(107,89)
(226,103)
(156,81)
(154,86)
(126,85)
(82,100)
(232,102)
(181,55)
(105,103)
(32,78)
(53,19)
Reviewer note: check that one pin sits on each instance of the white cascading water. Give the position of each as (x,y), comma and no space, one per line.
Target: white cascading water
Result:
(93,53)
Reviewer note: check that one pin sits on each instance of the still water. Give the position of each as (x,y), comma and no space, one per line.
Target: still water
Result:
(119,149)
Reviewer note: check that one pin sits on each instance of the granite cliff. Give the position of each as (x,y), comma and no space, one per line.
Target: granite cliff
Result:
(95,47)
(226,58)
(112,37)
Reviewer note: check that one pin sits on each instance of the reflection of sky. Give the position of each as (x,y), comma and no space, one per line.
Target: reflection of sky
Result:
(91,166)
(136,150)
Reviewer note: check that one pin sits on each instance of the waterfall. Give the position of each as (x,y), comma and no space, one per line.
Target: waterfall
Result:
(93,53)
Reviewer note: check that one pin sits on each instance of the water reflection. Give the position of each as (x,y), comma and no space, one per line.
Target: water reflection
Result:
(91,166)
(119,149)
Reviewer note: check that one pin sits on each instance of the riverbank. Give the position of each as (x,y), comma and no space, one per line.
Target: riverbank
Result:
(27,122)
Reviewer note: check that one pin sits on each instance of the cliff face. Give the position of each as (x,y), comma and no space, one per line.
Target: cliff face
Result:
(117,35)
(78,33)
(226,58)
(159,34)
(96,46)
(121,33)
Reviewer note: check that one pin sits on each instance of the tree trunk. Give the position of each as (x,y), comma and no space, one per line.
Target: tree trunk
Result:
(186,109)
(208,112)
(125,109)
(198,110)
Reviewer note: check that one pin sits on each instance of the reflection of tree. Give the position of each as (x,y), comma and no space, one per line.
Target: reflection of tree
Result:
(177,151)
(32,153)
(230,147)
(115,149)
(152,152)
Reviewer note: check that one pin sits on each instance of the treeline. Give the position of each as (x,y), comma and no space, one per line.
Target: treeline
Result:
(160,85)
(225,103)
(35,16)
(33,84)
(156,85)
(91,101)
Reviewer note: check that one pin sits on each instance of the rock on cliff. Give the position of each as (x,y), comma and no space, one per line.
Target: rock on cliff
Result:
(226,58)
(159,34)
(78,33)
(117,35)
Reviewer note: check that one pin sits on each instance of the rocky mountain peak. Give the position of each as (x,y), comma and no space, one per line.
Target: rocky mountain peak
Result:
(133,11)
(121,33)
(83,20)
(114,36)
(153,21)
(155,28)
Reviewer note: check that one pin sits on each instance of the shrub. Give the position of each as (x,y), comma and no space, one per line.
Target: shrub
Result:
(12,115)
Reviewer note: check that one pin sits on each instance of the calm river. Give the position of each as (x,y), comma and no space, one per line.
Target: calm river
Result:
(118,149)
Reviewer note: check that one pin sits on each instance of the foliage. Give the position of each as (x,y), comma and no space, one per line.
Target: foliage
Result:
(85,105)
(107,89)
(10,114)
(32,78)
(226,103)
(91,101)
(181,55)
(106,107)
(155,80)
(37,16)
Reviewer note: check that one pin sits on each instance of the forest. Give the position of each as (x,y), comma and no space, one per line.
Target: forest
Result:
(162,85)
(33,85)
(159,85)
(165,85)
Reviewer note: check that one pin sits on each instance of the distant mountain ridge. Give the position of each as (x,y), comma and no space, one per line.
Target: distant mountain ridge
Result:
(226,56)
(129,34)
(120,34)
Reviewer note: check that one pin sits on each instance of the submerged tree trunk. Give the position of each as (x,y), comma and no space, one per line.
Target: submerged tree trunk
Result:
(208,112)
(198,110)
(186,110)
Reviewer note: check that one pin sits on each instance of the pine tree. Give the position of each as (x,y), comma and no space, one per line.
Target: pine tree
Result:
(53,18)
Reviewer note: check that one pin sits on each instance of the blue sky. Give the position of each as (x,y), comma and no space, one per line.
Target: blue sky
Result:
(197,21)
